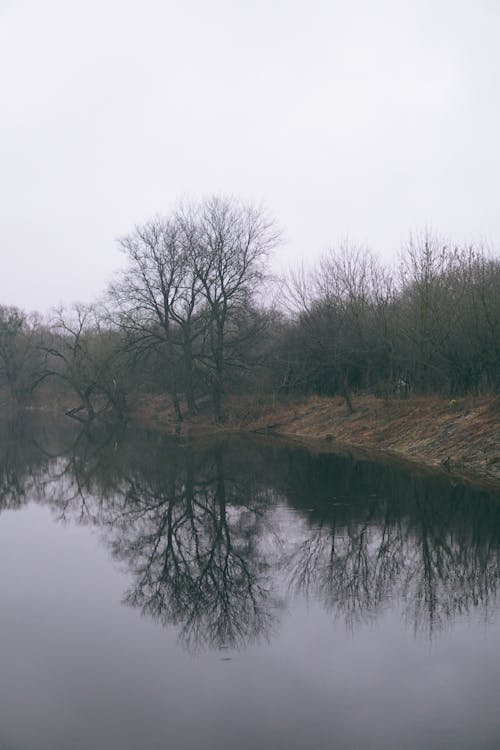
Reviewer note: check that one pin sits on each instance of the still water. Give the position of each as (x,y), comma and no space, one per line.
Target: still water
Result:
(240,594)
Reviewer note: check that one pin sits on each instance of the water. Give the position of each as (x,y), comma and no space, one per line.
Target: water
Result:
(240,593)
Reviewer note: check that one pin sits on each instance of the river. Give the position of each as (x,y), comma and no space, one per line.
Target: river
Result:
(240,593)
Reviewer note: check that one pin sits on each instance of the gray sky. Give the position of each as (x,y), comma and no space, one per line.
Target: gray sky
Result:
(356,118)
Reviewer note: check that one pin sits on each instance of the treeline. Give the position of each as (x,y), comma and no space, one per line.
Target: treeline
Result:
(196,314)
(430,326)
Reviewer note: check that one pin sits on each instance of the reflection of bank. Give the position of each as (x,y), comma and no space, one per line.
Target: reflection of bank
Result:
(197,528)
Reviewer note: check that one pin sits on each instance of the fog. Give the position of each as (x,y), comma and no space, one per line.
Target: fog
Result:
(357,119)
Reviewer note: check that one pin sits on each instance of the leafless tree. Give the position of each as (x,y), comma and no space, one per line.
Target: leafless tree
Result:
(85,356)
(20,360)
(189,278)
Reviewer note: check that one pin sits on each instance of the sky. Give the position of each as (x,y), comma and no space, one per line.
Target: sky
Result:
(345,118)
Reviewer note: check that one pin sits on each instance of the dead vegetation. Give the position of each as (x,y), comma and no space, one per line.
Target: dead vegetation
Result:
(460,436)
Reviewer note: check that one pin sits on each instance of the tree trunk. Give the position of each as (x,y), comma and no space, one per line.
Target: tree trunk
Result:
(218,386)
(188,375)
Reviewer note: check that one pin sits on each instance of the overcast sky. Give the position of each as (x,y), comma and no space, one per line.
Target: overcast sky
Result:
(345,117)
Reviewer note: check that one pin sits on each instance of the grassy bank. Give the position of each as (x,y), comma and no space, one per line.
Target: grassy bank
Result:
(459,436)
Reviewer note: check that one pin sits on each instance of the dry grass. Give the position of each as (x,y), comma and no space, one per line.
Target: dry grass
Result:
(461,435)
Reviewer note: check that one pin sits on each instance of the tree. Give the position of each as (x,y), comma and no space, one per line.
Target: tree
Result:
(19,354)
(157,300)
(335,336)
(189,281)
(234,243)
(87,357)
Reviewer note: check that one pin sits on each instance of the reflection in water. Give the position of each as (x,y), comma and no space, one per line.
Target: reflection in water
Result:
(190,537)
(432,546)
(215,536)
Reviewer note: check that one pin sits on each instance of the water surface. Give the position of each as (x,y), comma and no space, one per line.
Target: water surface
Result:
(240,593)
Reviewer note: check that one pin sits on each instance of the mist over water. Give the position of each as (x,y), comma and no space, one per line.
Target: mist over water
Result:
(239,592)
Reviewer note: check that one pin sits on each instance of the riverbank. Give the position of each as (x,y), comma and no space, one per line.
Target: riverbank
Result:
(459,436)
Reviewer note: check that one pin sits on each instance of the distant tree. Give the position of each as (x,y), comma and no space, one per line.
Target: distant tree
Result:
(448,315)
(424,319)
(336,339)
(20,360)
(87,357)
(471,349)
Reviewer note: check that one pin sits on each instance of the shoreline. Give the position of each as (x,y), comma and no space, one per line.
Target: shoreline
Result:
(457,438)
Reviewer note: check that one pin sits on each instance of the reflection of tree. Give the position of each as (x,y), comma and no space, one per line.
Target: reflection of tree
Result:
(85,477)
(440,557)
(457,568)
(187,526)
(194,554)
(206,551)
(352,567)
(21,461)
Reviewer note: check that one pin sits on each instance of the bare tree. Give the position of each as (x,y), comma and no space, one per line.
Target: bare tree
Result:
(336,326)
(86,356)
(20,359)
(189,277)
(157,299)
(235,242)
